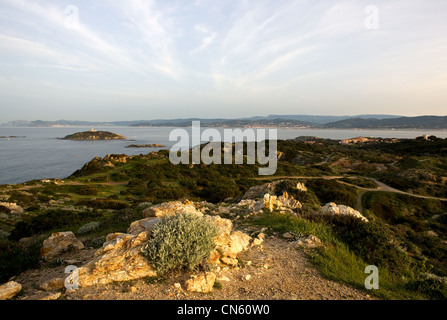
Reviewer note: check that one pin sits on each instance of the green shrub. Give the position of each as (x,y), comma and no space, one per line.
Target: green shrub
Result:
(103,204)
(332,191)
(49,220)
(371,241)
(137,187)
(180,241)
(16,258)
(88,191)
(434,288)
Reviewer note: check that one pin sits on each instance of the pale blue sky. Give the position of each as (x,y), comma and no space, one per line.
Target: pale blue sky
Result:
(137,59)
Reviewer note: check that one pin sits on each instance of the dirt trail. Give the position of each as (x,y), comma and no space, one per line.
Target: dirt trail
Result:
(382,187)
(72,183)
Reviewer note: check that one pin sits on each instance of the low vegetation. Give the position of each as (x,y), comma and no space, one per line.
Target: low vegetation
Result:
(180,241)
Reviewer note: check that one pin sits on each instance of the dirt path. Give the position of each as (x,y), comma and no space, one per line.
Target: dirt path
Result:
(298,177)
(71,183)
(382,187)
(277,272)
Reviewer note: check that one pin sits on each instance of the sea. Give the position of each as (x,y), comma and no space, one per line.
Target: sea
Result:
(37,153)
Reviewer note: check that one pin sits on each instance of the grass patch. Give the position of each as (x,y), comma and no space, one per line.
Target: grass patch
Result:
(217,285)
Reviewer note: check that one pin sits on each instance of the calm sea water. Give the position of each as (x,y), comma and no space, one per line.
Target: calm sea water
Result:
(40,155)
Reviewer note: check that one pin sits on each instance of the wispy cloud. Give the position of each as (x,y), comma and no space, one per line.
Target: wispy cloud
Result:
(201,52)
(209,37)
(156,33)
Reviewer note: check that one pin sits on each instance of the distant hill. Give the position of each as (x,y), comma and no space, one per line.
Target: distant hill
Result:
(291,121)
(422,122)
(236,123)
(318,120)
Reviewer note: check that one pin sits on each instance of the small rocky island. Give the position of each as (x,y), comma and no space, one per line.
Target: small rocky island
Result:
(94,135)
(11,137)
(152,145)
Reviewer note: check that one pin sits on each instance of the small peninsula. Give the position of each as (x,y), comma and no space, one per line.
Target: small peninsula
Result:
(94,135)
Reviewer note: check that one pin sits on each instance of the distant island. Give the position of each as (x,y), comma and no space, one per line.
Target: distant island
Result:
(11,137)
(152,145)
(94,135)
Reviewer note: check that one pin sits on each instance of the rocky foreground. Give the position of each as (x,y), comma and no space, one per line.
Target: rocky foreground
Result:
(246,263)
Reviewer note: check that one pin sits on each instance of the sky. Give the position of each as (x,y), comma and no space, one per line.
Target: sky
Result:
(159,59)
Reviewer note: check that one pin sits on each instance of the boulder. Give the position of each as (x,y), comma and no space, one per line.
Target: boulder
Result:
(258,240)
(119,259)
(288,235)
(301,187)
(139,226)
(52,296)
(170,209)
(9,290)
(203,283)
(334,209)
(309,242)
(53,284)
(59,243)
(228,243)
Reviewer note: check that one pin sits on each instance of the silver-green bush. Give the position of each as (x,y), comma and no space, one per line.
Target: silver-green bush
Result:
(180,241)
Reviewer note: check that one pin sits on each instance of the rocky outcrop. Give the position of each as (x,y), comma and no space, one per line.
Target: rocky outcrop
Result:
(9,290)
(203,283)
(256,192)
(170,209)
(228,243)
(259,191)
(119,259)
(334,209)
(283,202)
(10,208)
(301,187)
(58,243)
(109,161)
